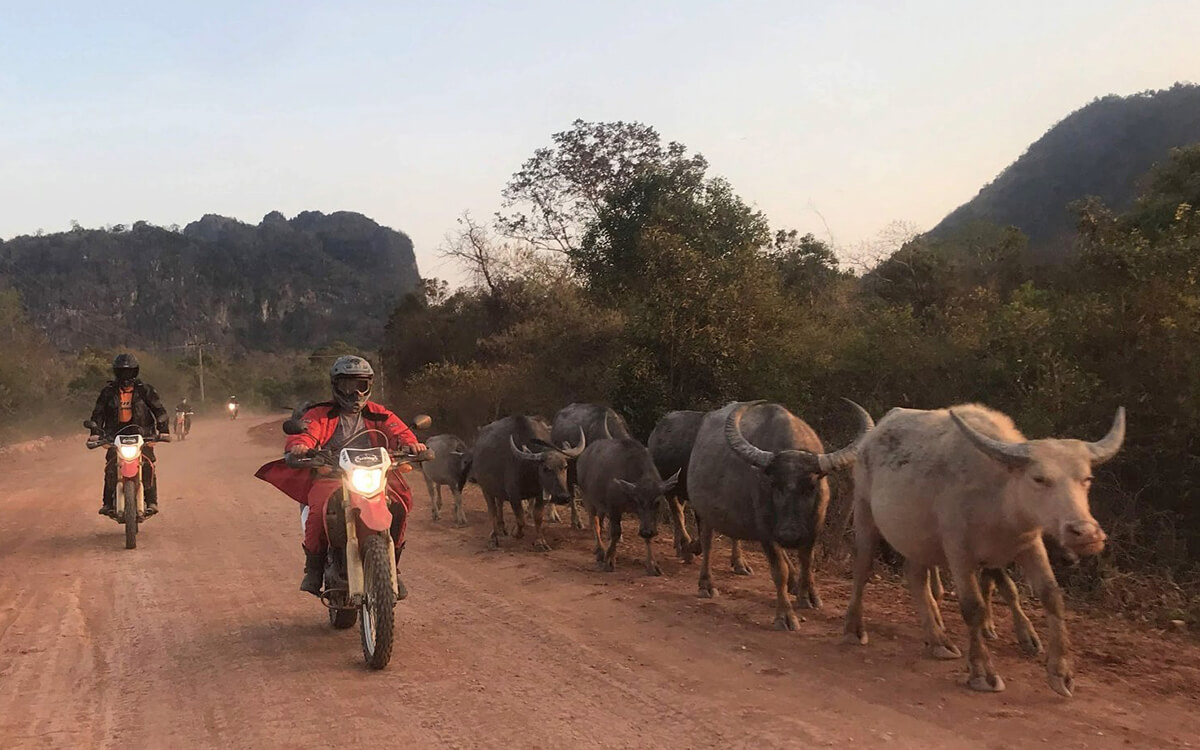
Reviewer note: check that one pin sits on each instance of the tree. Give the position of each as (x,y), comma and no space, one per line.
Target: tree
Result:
(559,191)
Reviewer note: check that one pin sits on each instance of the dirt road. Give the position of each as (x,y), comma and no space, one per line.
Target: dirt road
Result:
(200,639)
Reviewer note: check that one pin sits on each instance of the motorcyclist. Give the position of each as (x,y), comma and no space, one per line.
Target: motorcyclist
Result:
(184,408)
(350,420)
(124,401)
(232,406)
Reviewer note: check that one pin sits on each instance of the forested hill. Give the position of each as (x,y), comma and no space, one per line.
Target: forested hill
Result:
(279,285)
(1102,150)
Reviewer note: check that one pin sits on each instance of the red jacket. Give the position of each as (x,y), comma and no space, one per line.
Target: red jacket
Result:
(322,422)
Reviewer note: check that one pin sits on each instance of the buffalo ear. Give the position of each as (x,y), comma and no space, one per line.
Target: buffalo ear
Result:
(628,487)
(673,480)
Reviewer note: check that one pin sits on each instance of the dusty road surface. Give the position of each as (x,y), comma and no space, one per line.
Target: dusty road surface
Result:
(200,639)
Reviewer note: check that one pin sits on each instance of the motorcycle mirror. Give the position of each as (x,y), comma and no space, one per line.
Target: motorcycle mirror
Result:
(422,421)
(293,427)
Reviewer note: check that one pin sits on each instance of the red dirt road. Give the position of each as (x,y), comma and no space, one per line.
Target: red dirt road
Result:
(200,639)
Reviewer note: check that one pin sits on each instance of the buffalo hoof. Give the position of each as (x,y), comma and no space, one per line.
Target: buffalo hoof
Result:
(707,590)
(1029,642)
(811,601)
(742,569)
(686,558)
(577,523)
(945,651)
(437,516)
(460,522)
(856,639)
(541,545)
(788,622)
(605,566)
(1064,685)
(493,542)
(653,569)
(989,631)
(988,683)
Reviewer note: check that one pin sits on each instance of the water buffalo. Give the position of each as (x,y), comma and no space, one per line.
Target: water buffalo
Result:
(757,472)
(598,422)
(617,477)
(449,468)
(514,460)
(962,488)
(670,445)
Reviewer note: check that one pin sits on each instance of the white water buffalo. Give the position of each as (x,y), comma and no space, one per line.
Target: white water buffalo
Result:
(963,489)
(670,446)
(617,477)
(449,468)
(598,422)
(758,472)
(513,460)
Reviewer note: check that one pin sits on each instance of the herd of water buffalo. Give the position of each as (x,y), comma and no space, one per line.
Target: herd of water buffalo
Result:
(958,488)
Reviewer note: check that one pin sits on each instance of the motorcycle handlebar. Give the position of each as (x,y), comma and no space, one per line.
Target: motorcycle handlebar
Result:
(319,458)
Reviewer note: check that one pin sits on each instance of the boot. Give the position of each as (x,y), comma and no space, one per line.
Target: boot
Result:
(401,590)
(314,572)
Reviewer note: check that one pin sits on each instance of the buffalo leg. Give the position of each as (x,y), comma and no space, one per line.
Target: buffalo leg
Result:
(937,643)
(736,561)
(1023,629)
(684,546)
(866,540)
(983,676)
(496,513)
(1035,564)
(806,588)
(599,551)
(433,497)
(460,513)
(705,532)
(614,538)
(519,512)
(936,592)
(576,520)
(785,616)
(539,539)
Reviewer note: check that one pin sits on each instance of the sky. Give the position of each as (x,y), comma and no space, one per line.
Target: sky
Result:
(836,118)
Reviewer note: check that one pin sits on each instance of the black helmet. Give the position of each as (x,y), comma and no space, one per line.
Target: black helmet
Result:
(351,378)
(125,368)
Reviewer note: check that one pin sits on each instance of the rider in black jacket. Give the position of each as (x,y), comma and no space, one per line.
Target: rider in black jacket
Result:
(126,401)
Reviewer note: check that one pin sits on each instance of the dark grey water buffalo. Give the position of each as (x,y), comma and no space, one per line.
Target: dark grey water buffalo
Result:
(757,472)
(670,446)
(514,460)
(962,488)
(598,422)
(449,468)
(617,477)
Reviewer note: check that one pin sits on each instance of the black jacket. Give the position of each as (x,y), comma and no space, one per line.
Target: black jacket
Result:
(148,411)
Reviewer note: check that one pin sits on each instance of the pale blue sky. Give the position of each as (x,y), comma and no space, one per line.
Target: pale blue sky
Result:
(412,112)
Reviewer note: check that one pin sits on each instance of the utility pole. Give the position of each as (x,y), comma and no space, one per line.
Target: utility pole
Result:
(200,358)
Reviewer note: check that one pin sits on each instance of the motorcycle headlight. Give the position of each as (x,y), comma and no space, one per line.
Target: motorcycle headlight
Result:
(232,407)
(128,452)
(366,481)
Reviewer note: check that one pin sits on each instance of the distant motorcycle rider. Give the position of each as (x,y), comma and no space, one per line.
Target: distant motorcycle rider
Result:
(184,408)
(350,420)
(123,402)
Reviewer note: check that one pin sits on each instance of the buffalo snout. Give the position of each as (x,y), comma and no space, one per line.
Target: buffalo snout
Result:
(1084,538)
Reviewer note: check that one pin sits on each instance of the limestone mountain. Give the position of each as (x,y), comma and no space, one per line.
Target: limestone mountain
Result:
(283,284)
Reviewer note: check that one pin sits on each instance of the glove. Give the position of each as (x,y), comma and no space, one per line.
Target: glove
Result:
(93,441)
(299,450)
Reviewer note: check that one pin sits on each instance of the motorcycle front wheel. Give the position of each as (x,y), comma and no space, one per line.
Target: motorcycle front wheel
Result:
(131,516)
(377,618)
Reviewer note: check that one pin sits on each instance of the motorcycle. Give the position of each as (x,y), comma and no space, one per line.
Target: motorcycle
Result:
(232,408)
(129,505)
(360,565)
(183,423)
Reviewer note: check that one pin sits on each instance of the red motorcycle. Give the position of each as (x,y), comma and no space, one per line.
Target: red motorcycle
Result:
(360,566)
(129,505)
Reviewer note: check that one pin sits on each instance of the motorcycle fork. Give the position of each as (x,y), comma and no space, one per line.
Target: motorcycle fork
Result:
(119,499)
(354,565)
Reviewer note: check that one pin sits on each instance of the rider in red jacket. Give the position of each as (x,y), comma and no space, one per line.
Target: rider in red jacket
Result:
(349,421)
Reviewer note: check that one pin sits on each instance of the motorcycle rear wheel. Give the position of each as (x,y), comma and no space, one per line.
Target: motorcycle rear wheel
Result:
(378,616)
(131,516)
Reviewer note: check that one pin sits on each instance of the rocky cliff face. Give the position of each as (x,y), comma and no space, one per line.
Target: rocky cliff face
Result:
(279,285)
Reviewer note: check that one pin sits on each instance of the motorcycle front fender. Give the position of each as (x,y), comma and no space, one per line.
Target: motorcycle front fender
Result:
(130,469)
(374,514)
